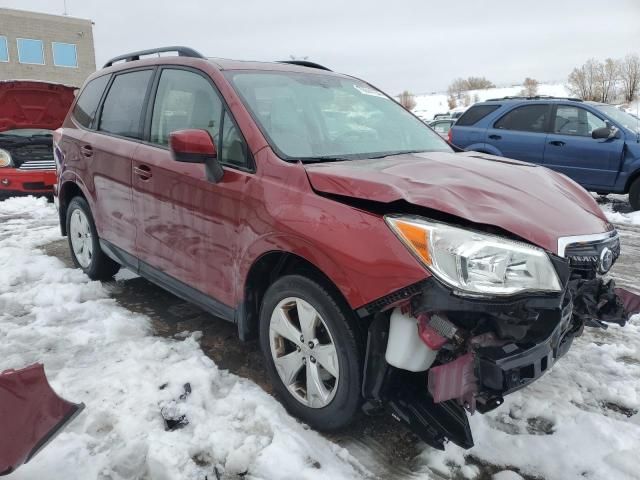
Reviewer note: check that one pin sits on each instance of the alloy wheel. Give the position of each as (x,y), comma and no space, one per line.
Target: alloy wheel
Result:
(81,238)
(304,352)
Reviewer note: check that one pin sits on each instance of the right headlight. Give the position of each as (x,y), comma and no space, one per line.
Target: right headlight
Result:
(5,158)
(473,262)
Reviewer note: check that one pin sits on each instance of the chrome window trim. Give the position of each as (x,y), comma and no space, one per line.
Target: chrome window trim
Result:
(564,242)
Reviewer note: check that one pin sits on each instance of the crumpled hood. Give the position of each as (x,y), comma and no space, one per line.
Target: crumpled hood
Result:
(532,202)
(33,104)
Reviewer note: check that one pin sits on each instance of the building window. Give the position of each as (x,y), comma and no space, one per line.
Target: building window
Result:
(30,51)
(4,49)
(64,54)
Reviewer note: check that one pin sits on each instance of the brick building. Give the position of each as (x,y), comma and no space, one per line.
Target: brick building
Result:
(38,46)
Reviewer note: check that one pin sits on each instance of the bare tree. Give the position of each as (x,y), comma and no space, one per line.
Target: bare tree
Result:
(466,100)
(630,76)
(582,80)
(457,88)
(607,80)
(407,100)
(478,83)
(530,87)
(476,98)
(451,101)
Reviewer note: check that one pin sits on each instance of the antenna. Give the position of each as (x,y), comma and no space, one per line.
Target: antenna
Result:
(65,8)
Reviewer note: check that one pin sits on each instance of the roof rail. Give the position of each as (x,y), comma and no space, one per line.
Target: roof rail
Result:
(130,57)
(535,97)
(305,63)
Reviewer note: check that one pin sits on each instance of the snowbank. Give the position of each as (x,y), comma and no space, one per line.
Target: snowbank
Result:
(428,105)
(101,354)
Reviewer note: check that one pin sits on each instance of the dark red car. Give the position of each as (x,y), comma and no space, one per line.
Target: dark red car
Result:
(379,268)
(29,113)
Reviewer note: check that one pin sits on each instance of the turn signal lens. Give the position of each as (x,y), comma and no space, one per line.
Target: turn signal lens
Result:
(414,236)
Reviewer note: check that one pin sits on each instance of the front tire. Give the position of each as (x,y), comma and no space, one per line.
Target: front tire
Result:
(311,350)
(84,243)
(634,194)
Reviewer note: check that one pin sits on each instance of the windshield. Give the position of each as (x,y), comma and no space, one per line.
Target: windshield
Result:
(620,117)
(316,117)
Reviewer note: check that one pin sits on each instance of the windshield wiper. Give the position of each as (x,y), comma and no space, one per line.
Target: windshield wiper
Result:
(324,159)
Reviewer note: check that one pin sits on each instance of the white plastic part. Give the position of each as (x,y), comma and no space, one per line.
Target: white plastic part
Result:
(405,349)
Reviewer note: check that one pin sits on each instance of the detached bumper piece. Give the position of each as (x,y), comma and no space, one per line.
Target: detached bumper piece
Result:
(487,348)
(31,415)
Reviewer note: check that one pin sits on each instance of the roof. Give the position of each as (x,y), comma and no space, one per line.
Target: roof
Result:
(152,56)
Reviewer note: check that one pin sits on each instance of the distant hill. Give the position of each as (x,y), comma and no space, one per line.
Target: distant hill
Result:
(431,104)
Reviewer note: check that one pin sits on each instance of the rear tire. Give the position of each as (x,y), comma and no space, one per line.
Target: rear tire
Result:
(84,243)
(634,194)
(319,384)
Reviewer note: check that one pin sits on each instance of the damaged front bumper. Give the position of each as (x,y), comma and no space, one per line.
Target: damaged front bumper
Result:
(484,349)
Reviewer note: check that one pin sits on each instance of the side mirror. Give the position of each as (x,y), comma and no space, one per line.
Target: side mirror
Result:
(604,133)
(196,146)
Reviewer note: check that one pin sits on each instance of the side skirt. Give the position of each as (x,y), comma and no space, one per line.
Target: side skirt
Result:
(169,283)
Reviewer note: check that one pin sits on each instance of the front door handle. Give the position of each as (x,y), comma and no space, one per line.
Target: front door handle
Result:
(87,150)
(495,137)
(143,172)
(557,143)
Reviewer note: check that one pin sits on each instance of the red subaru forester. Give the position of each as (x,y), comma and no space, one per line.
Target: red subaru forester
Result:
(379,268)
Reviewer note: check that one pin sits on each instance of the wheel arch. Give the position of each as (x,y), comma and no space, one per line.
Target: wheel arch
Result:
(265,270)
(68,190)
(632,178)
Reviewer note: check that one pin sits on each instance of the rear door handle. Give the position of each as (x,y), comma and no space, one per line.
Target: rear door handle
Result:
(557,143)
(495,137)
(87,150)
(143,172)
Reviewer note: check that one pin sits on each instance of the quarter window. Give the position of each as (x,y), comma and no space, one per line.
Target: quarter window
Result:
(64,54)
(528,118)
(30,51)
(4,49)
(572,120)
(184,100)
(475,114)
(122,109)
(87,104)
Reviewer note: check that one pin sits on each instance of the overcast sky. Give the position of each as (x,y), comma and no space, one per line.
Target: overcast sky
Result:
(416,45)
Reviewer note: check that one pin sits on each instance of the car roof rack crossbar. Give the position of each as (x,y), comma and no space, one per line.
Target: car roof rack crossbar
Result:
(535,97)
(305,63)
(130,57)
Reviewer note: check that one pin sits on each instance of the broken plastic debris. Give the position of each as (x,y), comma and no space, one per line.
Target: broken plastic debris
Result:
(173,412)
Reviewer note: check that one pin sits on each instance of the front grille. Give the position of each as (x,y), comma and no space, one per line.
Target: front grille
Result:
(33,157)
(584,257)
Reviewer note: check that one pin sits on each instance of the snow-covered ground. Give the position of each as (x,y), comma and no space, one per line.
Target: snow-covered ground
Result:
(428,105)
(579,421)
(99,353)
(631,218)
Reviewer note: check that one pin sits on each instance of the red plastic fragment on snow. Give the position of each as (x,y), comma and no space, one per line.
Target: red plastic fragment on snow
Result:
(630,300)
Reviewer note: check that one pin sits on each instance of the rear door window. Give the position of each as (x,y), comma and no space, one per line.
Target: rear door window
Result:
(570,120)
(528,118)
(475,114)
(122,109)
(87,104)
